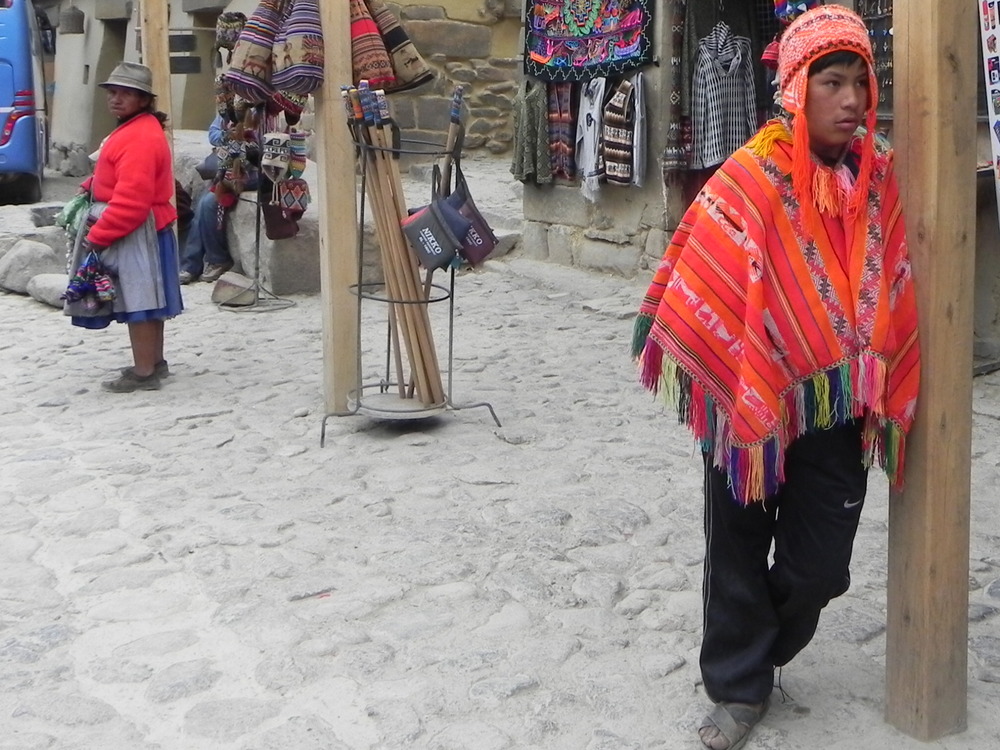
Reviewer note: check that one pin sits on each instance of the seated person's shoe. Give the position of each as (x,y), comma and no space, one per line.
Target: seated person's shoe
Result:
(212,272)
(187,277)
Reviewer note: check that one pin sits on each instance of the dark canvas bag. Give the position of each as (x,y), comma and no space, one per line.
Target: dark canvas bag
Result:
(479,241)
(299,55)
(429,234)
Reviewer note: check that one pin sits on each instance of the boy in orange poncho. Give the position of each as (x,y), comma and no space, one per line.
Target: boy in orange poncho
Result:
(782,322)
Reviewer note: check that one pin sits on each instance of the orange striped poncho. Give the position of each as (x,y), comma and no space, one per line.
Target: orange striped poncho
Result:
(767,319)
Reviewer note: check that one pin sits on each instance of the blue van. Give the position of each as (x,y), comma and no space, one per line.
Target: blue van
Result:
(23,121)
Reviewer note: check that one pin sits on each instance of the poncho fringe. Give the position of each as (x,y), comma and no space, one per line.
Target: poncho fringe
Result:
(854,389)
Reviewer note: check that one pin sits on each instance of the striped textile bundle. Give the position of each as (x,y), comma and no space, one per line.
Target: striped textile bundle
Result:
(761,325)
(249,74)
(369,57)
(299,54)
(410,69)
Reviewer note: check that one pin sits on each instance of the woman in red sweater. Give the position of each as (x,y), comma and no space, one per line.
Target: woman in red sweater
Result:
(130,225)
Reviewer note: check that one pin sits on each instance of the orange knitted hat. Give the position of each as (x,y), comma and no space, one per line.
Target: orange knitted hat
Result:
(818,32)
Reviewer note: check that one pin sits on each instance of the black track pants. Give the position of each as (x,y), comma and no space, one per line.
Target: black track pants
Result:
(756,616)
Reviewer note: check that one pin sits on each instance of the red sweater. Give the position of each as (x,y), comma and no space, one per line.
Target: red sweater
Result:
(134,175)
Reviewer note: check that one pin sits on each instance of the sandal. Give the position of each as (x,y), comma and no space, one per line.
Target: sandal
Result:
(128,381)
(734,722)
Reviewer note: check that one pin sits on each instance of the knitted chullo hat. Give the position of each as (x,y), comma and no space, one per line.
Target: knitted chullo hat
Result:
(818,32)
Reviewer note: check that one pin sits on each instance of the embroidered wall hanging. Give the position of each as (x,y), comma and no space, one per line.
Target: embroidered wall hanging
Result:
(578,40)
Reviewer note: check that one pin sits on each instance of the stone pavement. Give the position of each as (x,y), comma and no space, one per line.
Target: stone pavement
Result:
(190,569)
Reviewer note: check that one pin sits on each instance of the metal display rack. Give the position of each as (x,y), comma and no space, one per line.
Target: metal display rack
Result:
(391,396)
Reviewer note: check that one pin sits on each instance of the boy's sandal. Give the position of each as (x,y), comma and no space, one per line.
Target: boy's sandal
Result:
(734,721)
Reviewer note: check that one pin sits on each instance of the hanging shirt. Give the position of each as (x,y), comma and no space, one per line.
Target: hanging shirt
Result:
(589,156)
(723,113)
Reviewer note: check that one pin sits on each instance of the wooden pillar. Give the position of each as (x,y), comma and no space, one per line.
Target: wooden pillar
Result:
(337,204)
(928,588)
(156,52)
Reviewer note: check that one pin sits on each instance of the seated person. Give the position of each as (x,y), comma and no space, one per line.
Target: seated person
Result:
(206,250)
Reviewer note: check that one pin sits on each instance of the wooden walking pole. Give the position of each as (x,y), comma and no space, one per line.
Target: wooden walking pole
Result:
(928,588)
(337,204)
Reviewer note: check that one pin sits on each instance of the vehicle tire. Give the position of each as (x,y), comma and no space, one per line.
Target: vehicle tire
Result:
(28,189)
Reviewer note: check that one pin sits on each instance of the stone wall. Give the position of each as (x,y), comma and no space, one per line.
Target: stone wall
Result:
(472,43)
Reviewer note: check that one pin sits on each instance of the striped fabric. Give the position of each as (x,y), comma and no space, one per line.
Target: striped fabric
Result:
(299,55)
(723,109)
(369,56)
(249,75)
(759,331)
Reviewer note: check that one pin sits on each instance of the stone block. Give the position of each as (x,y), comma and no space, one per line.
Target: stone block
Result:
(47,288)
(453,39)
(422,12)
(602,256)
(535,240)
(542,203)
(656,244)
(561,242)
(26,259)
(433,113)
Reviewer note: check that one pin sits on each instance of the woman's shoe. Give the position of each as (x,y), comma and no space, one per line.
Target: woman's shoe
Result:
(128,381)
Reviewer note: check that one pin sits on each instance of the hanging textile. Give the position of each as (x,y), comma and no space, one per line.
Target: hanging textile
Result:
(723,108)
(562,131)
(589,154)
(578,40)
(624,141)
(369,56)
(531,161)
(676,155)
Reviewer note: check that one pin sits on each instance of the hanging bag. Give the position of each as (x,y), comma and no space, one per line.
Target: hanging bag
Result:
(369,56)
(479,241)
(409,69)
(299,56)
(249,74)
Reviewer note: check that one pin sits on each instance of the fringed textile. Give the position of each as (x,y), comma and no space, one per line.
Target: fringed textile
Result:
(762,324)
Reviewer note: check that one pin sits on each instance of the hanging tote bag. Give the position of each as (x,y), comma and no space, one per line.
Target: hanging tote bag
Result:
(479,241)
(298,50)
(249,75)
(369,57)
(409,69)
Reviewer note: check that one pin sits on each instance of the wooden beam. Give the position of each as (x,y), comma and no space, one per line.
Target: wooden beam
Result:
(928,588)
(337,205)
(156,53)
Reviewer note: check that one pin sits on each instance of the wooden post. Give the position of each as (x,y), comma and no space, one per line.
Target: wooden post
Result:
(928,588)
(156,53)
(337,206)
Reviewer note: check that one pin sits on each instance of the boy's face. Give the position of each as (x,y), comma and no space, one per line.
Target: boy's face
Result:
(836,102)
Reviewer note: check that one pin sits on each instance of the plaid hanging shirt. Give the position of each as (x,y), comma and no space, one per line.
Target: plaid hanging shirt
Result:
(723,97)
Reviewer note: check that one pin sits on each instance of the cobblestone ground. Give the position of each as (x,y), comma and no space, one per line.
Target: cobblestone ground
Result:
(191,569)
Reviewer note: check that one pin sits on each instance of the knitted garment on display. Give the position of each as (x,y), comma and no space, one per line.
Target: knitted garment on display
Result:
(531,161)
(577,40)
(619,135)
(369,56)
(562,131)
(252,59)
(759,329)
